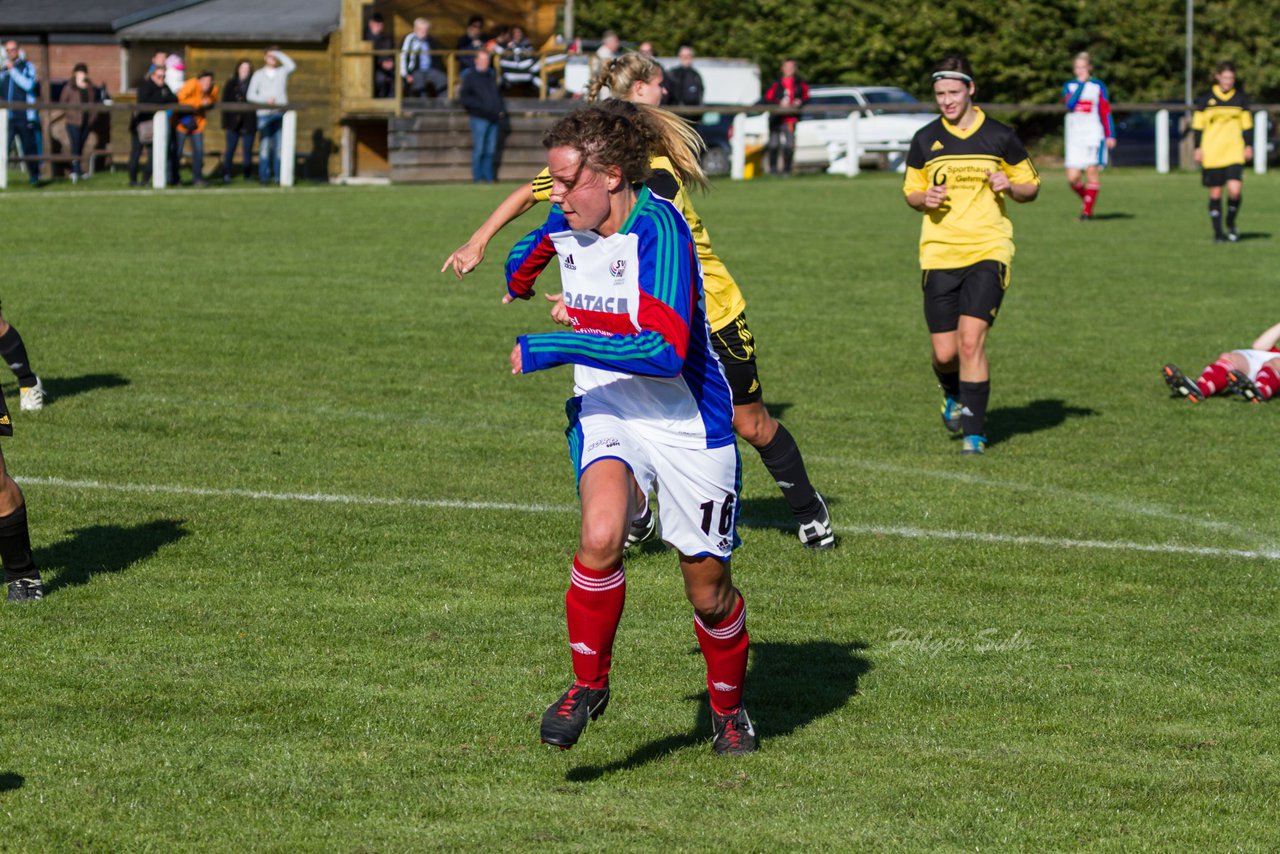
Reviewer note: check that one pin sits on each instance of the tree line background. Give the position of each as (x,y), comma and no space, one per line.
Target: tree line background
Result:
(1021,50)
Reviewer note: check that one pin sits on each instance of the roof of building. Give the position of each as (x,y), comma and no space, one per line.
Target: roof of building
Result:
(242,21)
(27,17)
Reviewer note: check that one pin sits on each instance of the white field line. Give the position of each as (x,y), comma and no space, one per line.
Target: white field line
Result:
(906,532)
(1125,505)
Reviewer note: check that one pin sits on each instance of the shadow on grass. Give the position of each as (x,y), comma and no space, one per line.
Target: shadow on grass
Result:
(1037,415)
(64,387)
(1255,235)
(10,781)
(103,549)
(1099,217)
(789,686)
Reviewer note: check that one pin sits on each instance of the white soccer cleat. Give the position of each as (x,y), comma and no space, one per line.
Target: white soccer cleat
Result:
(33,397)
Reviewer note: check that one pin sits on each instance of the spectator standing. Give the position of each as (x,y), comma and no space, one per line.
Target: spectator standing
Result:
(789,90)
(79,90)
(645,48)
(610,46)
(484,104)
(142,126)
(419,68)
(384,65)
(20,82)
(471,42)
(270,86)
(684,83)
(239,126)
(201,93)
(175,73)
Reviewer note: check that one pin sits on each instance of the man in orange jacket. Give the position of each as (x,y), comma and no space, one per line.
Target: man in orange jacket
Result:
(201,94)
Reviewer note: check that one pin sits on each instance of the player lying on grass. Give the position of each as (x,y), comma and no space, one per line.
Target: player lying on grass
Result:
(651,409)
(638,80)
(1254,374)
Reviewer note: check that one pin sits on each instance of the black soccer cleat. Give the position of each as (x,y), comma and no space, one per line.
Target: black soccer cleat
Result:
(1243,386)
(734,733)
(566,719)
(23,590)
(641,529)
(1180,385)
(816,533)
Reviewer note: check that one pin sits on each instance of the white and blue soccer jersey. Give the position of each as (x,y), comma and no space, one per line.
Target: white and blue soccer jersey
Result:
(1088,124)
(640,344)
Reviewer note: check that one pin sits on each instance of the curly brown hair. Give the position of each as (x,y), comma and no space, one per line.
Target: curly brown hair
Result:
(604,137)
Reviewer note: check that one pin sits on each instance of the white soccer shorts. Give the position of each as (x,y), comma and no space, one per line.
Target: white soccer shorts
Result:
(1256,359)
(697,487)
(1086,153)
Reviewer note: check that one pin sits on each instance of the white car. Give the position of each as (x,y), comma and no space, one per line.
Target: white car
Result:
(822,136)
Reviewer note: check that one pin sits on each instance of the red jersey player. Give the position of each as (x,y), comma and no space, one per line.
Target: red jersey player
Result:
(1254,374)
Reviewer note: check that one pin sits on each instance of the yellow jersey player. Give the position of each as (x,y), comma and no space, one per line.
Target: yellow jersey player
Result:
(1221,124)
(961,168)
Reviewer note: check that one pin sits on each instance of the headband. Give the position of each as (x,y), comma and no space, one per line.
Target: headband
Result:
(952,75)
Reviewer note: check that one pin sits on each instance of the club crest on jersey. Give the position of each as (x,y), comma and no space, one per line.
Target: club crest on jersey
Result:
(568,262)
(618,268)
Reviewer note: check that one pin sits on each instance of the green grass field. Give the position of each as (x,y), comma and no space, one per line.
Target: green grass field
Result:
(306,539)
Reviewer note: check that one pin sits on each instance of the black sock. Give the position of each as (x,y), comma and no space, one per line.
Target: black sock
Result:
(973,397)
(1233,208)
(15,546)
(950,382)
(782,458)
(15,354)
(1215,216)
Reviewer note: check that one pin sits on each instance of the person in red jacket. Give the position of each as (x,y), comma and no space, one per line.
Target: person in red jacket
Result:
(789,90)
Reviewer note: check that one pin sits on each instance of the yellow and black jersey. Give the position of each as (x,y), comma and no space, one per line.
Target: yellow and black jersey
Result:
(971,225)
(724,299)
(1222,123)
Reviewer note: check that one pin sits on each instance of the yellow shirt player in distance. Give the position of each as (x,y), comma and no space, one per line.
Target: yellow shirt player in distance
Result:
(1221,125)
(961,169)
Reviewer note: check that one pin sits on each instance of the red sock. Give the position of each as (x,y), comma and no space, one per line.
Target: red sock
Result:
(1214,378)
(1268,382)
(724,647)
(1090,195)
(1078,188)
(593,606)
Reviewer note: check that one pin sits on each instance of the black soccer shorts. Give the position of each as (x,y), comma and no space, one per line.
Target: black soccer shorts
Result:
(736,347)
(974,291)
(1220,175)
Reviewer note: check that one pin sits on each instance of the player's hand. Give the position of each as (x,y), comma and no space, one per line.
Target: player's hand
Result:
(999,181)
(464,259)
(559,313)
(517,366)
(1248,153)
(1199,155)
(1111,143)
(935,196)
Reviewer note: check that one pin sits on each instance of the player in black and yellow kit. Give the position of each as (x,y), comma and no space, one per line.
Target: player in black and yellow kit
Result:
(960,169)
(1221,124)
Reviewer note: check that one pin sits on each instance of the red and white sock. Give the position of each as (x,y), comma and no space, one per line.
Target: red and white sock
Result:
(724,647)
(1268,382)
(1214,378)
(1078,188)
(593,607)
(1090,195)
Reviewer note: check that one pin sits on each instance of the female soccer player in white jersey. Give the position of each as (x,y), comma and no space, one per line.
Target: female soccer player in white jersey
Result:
(1090,132)
(960,169)
(638,79)
(651,408)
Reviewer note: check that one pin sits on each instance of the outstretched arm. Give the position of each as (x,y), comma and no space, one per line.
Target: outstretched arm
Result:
(469,255)
(1268,339)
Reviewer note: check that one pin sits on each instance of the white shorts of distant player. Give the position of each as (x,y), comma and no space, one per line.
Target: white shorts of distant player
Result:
(1256,359)
(697,487)
(1081,153)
